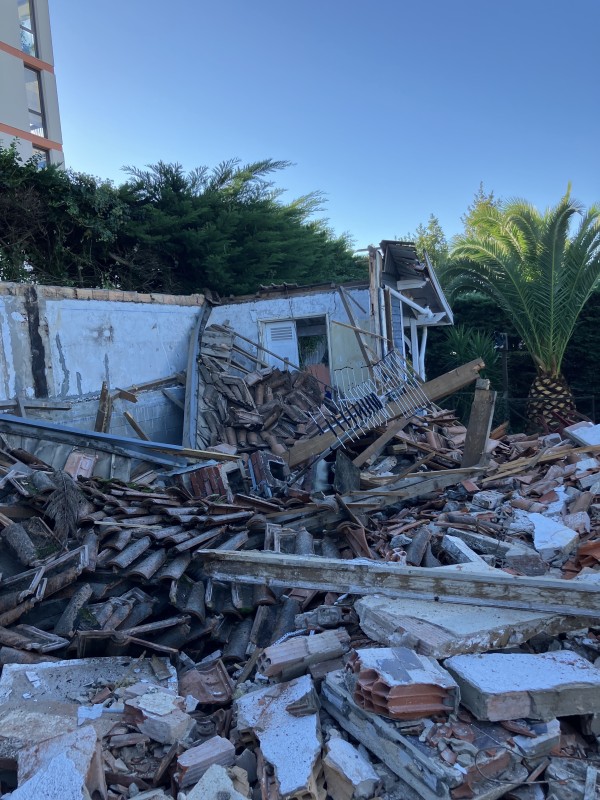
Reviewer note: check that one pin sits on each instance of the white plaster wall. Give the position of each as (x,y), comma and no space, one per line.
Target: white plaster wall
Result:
(245,319)
(125,344)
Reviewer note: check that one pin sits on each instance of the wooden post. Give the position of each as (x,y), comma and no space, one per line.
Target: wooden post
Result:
(480,423)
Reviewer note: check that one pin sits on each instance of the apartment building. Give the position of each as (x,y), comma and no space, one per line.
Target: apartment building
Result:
(28,97)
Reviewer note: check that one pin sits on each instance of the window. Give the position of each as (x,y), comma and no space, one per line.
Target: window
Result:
(42,157)
(28,39)
(34,102)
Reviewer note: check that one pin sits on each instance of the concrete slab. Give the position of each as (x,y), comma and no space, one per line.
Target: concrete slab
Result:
(59,780)
(443,629)
(505,686)
(81,747)
(289,737)
(584,433)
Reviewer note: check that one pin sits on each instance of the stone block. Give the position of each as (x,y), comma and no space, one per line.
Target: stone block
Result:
(505,686)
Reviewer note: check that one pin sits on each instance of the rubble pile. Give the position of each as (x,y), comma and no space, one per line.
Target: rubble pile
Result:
(243,627)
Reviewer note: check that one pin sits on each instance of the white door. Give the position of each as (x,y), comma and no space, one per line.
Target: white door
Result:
(281,338)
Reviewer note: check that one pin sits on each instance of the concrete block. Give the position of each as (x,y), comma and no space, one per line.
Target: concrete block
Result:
(400,684)
(505,686)
(444,629)
(215,784)
(289,735)
(348,775)
(193,763)
(547,737)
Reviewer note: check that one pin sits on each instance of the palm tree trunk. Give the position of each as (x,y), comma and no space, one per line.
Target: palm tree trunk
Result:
(550,401)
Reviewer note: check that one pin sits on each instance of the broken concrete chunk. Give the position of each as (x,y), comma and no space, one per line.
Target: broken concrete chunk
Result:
(441,630)
(193,763)
(551,538)
(59,778)
(398,683)
(159,714)
(579,522)
(461,553)
(81,747)
(289,742)
(348,774)
(487,499)
(505,686)
(427,764)
(215,784)
(544,737)
(292,658)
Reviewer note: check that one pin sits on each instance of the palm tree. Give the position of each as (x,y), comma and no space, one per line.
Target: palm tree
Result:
(541,269)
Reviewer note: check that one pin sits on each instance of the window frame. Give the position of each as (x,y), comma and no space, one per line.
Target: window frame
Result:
(42,112)
(32,30)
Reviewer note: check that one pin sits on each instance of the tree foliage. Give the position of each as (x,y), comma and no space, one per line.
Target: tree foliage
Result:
(165,229)
(533,267)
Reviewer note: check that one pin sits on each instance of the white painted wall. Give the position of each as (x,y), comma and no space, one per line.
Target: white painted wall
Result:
(121,343)
(88,341)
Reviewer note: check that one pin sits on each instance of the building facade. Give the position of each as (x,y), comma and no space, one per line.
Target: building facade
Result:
(28,97)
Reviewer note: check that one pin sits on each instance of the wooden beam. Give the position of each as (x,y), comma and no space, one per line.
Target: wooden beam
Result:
(137,428)
(439,387)
(444,585)
(480,424)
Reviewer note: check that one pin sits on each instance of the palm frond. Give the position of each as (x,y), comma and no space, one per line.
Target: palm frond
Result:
(528,264)
(64,506)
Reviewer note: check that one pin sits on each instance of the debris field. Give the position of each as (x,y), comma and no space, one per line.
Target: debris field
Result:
(321,601)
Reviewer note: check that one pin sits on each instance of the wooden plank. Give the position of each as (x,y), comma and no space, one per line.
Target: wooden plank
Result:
(444,585)
(374,449)
(480,423)
(102,423)
(439,387)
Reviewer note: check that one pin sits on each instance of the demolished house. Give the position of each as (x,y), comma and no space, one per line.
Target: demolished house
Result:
(244,553)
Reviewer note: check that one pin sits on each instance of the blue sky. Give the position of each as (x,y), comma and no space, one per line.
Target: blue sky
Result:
(393,109)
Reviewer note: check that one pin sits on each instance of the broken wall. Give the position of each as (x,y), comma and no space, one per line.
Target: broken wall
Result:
(60,343)
(247,316)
